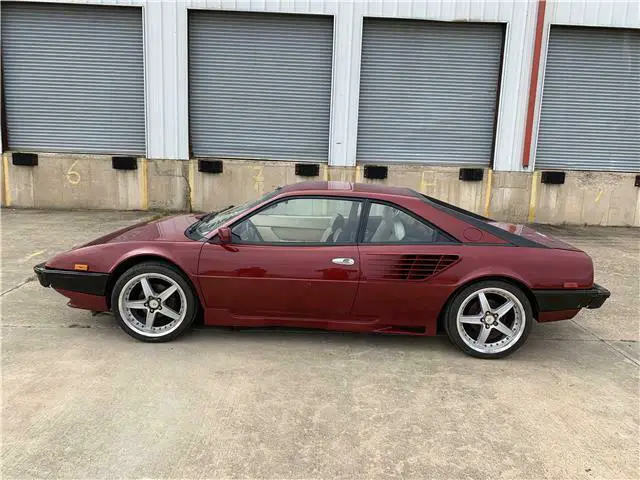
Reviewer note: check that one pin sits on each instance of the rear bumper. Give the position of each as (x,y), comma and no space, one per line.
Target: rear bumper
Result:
(91,283)
(553,300)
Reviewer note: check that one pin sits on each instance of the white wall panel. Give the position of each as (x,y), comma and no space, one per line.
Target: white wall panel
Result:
(594,13)
(166,80)
(347,44)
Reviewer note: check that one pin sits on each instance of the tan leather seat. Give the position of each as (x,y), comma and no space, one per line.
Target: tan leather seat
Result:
(334,230)
(390,229)
(384,231)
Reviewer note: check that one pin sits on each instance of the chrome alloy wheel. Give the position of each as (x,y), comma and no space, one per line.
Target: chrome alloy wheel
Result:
(491,320)
(152,304)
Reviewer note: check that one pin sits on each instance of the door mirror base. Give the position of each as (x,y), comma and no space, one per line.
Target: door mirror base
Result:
(225,235)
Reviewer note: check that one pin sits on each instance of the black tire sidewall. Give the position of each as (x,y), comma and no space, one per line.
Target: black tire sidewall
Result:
(450,320)
(169,271)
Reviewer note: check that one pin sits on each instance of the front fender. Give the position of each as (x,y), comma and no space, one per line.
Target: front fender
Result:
(116,258)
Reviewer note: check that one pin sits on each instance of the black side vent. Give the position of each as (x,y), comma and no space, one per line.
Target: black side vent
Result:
(307,169)
(124,163)
(471,174)
(210,166)
(637,180)
(24,159)
(409,267)
(554,178)
(375,172)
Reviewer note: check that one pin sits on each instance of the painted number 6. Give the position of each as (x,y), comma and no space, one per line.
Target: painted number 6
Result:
(72,175)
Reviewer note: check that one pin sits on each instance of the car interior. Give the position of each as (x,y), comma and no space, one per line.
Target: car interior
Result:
(332,221)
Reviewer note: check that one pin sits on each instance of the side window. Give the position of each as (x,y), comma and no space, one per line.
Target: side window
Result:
(387,224)
(302,220)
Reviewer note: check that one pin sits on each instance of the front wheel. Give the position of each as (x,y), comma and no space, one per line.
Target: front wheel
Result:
(153,302)
(489,319)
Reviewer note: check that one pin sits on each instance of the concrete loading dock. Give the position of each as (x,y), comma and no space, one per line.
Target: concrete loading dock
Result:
(63,181)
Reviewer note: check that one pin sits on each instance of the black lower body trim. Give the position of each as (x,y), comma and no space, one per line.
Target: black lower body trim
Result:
(552,300)
(91,283)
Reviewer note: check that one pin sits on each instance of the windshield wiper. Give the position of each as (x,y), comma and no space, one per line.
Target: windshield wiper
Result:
(209,216)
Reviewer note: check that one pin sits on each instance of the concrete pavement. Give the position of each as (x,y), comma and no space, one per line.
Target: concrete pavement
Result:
(81,399)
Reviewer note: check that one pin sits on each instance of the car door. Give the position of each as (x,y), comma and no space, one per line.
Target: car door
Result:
(294,259)
(404,262)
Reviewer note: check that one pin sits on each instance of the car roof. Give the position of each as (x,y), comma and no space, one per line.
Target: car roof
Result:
(336,187)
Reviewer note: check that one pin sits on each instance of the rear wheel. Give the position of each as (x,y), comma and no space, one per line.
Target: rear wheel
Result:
(153,302)
(489,319)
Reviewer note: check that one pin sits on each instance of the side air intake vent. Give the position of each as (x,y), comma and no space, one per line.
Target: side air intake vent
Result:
(409,267)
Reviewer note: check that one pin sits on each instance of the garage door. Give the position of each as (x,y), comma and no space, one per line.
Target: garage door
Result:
(591,101)
(260,85)
(73,78)
(428,91)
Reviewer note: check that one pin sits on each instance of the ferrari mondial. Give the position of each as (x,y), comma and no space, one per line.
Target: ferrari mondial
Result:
(337,256)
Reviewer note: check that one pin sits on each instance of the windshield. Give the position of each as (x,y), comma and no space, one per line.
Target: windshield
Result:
(207,224)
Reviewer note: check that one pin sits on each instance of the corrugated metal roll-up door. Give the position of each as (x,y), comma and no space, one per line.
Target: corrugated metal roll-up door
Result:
(73,78)
(260,85)
(428,91)
(590,116)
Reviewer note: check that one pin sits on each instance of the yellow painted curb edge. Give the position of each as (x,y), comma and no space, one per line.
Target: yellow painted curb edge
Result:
(533,200)
(5,180)
(487,193)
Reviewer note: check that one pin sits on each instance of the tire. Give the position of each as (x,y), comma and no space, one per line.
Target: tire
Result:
(154,302)
(484,335)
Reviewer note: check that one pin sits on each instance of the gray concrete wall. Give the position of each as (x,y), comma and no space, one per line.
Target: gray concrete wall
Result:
(73,181)
(64,181)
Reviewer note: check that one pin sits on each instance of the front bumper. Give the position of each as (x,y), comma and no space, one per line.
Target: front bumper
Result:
(553,300)
(91,283)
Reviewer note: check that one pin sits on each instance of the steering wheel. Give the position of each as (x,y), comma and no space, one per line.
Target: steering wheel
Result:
(247,231)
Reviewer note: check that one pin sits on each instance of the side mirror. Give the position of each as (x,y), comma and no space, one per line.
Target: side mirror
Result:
(224,233)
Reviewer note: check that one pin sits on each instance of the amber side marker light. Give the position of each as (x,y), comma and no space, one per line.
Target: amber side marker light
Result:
(81,266)
(570,285)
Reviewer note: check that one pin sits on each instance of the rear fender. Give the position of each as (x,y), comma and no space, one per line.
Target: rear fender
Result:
(483,275)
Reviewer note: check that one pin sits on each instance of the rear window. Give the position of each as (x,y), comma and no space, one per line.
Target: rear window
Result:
(452,208)
(479,221)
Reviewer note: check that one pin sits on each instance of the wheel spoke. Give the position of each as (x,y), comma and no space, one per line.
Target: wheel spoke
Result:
(136,305)
(170,312)
(483,335)
(504,308)
(484,303)
(167,293)
(151,316)
(502,328)
(146,287)
(472,319)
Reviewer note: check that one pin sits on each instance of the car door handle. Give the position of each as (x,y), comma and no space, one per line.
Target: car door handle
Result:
(343,261)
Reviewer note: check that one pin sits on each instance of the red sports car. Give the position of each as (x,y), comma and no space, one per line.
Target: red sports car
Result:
(338,256)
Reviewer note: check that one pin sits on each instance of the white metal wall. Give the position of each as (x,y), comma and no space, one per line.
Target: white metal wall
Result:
(166,56)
